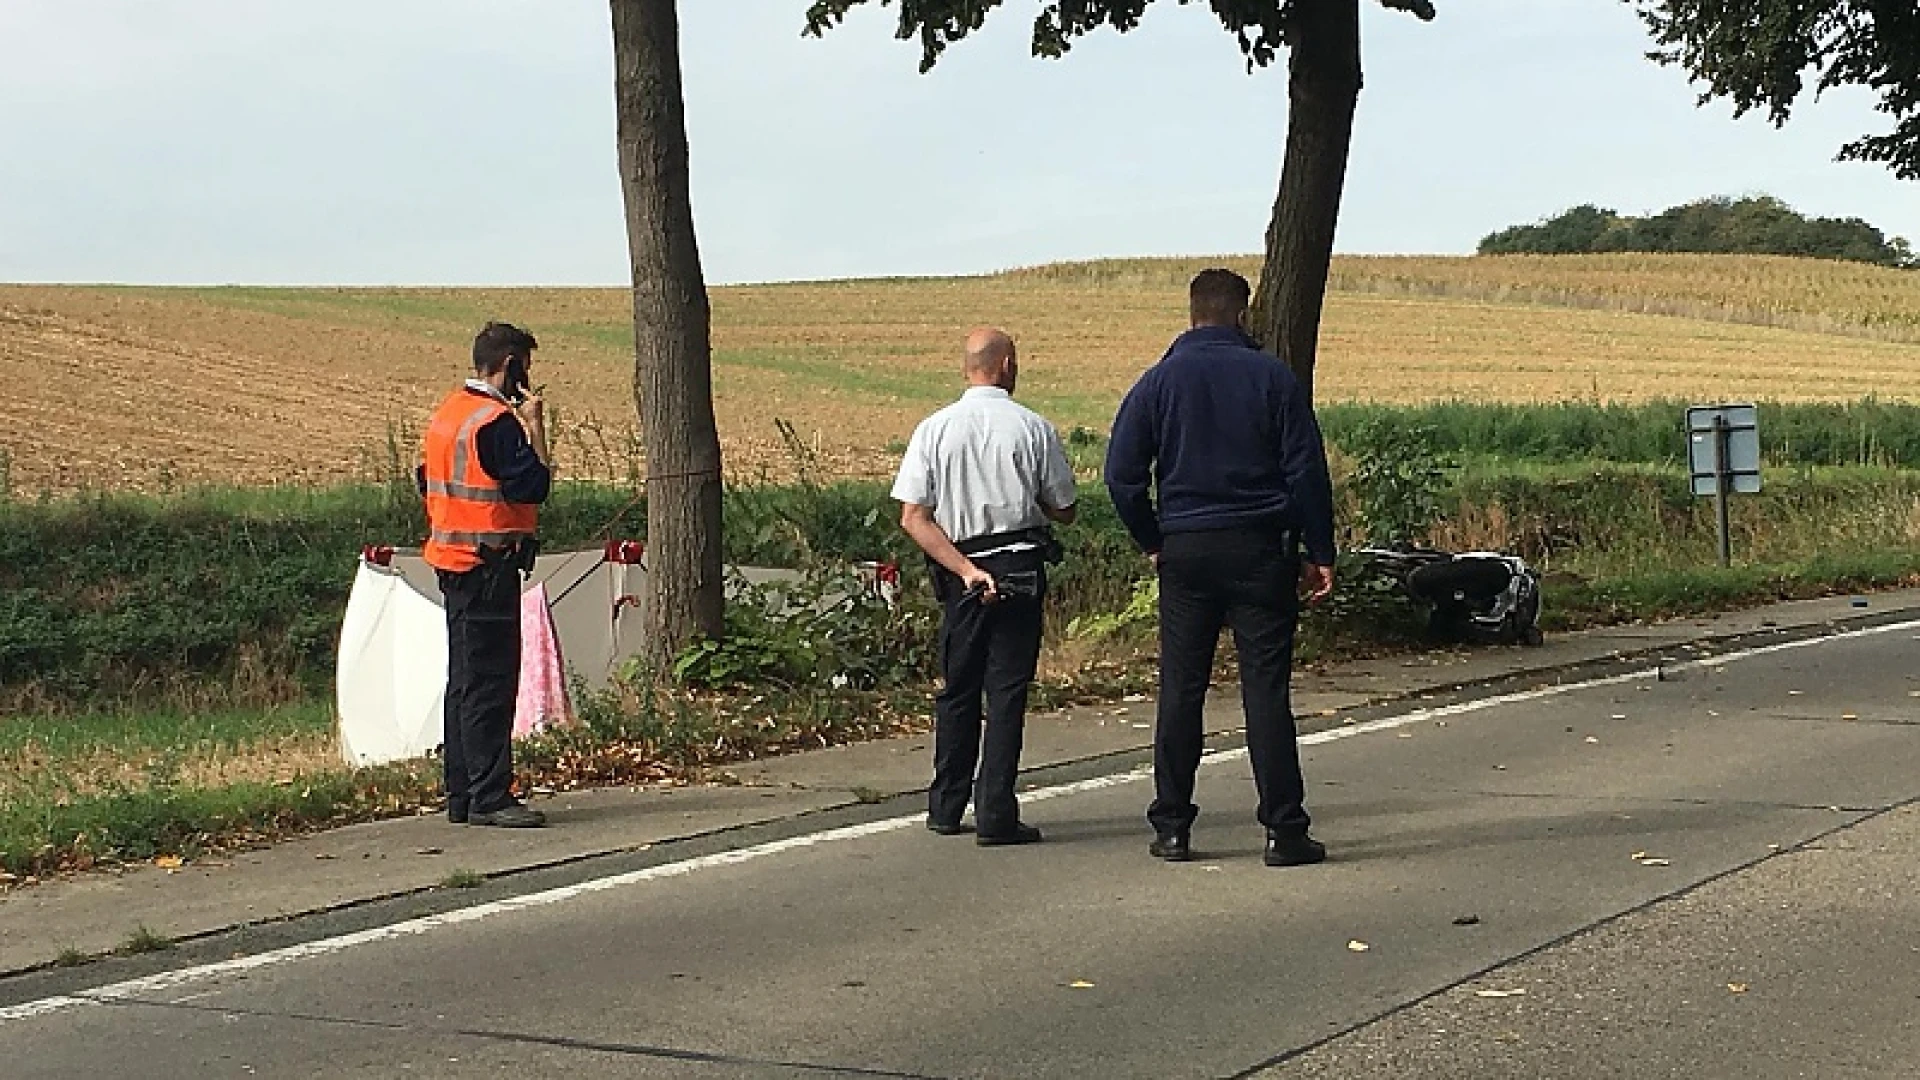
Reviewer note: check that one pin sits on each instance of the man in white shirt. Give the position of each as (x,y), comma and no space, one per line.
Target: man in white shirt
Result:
(981,480)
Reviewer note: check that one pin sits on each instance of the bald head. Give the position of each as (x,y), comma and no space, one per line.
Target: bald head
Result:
(991,358)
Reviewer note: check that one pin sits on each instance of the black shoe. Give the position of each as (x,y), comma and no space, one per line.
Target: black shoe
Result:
(1173,847)
(1020,834)
(1293,849)
(941,828)
(457,812)
(510,816)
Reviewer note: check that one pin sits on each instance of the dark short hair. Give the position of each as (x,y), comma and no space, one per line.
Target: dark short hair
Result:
(496,343)
(1217,297)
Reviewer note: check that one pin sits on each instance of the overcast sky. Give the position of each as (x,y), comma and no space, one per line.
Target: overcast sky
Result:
(471,141)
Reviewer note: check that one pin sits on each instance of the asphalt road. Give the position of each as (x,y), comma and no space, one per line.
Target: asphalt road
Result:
(1708,873)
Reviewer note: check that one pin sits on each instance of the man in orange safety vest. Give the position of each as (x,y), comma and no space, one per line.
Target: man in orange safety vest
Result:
(485,472)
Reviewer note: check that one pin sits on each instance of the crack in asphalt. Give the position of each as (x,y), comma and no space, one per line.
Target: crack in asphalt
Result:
(1252,1072)
(1639,800)
(563,1042)
(1800,718)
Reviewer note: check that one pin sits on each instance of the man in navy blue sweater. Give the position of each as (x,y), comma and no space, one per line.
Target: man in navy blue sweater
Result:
(1221,434)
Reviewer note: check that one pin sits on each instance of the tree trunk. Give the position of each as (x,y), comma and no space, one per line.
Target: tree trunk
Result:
(672,374)
(1323,89)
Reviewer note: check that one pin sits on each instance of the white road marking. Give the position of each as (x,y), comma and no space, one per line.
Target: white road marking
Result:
(133,989)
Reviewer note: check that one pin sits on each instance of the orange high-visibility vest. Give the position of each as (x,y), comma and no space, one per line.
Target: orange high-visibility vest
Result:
(466,510)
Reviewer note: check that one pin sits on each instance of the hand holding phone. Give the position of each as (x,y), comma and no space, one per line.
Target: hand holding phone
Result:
(532,411)
(517,379)
(980,585)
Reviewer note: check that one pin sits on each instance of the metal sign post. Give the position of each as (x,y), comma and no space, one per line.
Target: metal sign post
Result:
(1723,456)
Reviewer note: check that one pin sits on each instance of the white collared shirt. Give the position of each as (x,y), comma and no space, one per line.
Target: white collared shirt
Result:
(480,386)
(984,464)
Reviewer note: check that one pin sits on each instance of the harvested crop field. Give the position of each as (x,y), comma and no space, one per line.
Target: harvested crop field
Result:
(148,388)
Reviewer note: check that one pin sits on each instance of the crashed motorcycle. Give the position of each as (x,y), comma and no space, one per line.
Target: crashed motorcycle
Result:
(1481,597)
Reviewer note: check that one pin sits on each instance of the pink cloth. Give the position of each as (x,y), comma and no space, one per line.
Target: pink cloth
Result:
(543,674)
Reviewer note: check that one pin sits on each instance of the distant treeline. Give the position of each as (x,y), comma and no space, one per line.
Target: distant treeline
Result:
(1760,225)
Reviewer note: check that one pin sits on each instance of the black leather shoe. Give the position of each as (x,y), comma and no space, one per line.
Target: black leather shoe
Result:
(1021,834)
(457,813)
(1293,849)
(510,816)
(941,828)
(1173,847)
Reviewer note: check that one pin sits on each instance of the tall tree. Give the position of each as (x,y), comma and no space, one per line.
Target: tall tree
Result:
(1760,53)
(672,374)
(1324,80)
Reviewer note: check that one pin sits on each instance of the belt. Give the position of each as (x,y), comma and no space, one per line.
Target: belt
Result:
(996,543)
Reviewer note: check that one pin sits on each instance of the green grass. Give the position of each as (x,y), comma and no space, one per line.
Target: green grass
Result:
(40,830)
(1510,436)
(1691,590)
(207,598)
(135,732)
(452,306)
(144,940)
(1613,522)
(1858,433)
(463,879)
(821,369)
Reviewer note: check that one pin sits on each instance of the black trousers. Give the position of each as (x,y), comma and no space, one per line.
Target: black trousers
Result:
(1245,579)
(483,680)
(991,650)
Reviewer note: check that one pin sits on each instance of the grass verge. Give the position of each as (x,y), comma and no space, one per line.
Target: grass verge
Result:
(84,786)
(639,736)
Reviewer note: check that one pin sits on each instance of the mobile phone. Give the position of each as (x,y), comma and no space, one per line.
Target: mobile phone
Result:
(517,380)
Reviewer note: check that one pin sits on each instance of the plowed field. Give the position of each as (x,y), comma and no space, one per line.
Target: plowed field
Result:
(142,388)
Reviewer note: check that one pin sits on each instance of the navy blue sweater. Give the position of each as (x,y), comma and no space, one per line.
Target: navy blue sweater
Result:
(1221,433)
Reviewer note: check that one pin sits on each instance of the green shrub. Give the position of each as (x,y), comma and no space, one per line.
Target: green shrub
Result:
(823,630)
(1142,610)
(1398,479)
